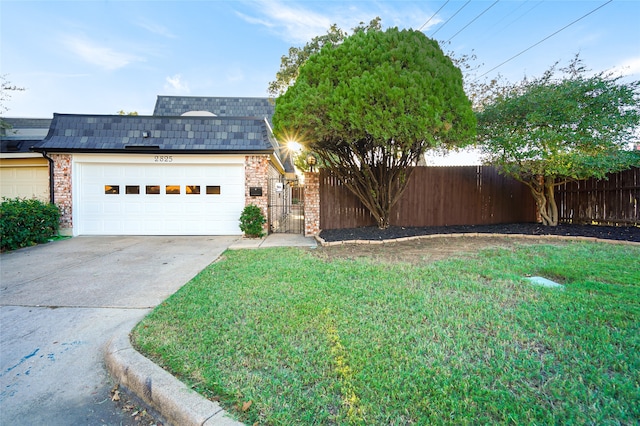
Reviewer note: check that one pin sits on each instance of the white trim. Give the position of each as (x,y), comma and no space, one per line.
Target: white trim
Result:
(153,158)
(6,155)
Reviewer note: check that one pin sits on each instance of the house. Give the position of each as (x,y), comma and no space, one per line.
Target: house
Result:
(190,169)
(23,173)
(187,170)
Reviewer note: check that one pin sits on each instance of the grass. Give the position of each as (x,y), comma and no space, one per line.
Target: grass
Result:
(282,337)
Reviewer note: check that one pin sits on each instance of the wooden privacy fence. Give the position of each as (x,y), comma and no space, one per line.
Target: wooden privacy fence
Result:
(435,196)
(613,201)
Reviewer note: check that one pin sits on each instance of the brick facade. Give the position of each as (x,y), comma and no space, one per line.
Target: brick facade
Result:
(311,204)
(62,190)
(256,170)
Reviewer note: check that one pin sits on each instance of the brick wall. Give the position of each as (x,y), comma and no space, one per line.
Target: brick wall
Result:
(311,204)
(62,190)
(256,169)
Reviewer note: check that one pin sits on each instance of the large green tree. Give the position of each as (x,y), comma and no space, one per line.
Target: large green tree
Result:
(566,125)
(371,106)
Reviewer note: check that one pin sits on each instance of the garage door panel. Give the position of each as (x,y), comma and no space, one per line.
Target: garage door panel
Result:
(25,182)
(112,209)
(164,213)
(133,209)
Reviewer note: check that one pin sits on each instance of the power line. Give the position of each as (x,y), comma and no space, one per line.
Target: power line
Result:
(544,39)
(473,20)
(429,20)
(439,28)
(481,40)
(523,14)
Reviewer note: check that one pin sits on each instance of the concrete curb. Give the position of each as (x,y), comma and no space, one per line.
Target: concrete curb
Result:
(178,404)
(324,243)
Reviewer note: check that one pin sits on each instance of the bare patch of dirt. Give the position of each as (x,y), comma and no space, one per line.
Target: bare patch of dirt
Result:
(421,251)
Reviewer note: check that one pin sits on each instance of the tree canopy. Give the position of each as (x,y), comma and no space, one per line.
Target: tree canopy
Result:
(290,64)
(552,129)
(371,106)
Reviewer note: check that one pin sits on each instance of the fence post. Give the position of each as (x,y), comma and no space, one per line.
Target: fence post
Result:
(311,204)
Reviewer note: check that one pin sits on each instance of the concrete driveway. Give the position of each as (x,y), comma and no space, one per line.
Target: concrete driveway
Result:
(59,305)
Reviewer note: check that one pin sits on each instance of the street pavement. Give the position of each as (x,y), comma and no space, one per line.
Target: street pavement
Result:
(61,302)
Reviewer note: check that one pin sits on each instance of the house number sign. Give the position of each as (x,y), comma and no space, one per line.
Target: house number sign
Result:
(163,159)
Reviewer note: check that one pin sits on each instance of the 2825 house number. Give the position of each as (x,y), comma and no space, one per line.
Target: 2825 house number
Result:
(163,158)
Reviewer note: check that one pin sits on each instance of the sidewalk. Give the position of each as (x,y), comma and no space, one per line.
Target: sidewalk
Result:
(274,240)
(172,399)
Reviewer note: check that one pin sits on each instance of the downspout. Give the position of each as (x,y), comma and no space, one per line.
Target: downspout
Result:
(52,198)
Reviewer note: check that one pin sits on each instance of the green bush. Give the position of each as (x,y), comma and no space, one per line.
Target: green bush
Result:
(252,220)
(26,222)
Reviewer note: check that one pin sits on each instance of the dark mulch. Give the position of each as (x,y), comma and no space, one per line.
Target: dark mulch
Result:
(621,233)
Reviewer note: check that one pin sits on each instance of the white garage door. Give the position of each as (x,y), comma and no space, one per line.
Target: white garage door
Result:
(159,199)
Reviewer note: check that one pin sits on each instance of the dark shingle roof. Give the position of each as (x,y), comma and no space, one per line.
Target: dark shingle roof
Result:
(111,133)
(9,146)
(222,107)
(23,134)
(28,123)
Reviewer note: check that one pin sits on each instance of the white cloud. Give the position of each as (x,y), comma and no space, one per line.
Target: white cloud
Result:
(102,56)
(629,66)
(257,21)
(175,85)
(156,29)
(295,23)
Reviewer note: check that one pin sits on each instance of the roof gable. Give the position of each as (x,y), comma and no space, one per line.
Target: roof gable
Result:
(220,106)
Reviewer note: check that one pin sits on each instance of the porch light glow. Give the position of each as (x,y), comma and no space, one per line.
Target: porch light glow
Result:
(294,146)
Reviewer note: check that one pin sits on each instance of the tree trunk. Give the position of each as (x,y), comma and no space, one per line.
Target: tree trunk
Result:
(542,191)
(552,207)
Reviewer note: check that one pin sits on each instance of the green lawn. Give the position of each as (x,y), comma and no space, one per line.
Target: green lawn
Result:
(462,341)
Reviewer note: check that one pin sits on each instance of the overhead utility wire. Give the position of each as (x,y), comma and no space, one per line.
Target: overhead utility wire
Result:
(439,28)
(429,20)
(544,39)
(473,20)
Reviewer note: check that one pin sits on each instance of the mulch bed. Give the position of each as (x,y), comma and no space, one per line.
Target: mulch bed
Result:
(620,233)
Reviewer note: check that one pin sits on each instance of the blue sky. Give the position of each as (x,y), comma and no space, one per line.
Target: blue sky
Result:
(98,57)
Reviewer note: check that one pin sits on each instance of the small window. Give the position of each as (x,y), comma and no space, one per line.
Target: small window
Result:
(213,190)
(153,189)
(112,189)
(172,189)
(132,189)
(193,189)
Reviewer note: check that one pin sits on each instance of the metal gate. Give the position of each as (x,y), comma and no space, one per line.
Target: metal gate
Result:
(286,206)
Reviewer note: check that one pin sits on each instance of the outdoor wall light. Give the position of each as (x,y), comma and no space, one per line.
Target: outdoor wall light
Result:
(311,161)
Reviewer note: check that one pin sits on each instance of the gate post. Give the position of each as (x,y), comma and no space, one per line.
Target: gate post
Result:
(311,204)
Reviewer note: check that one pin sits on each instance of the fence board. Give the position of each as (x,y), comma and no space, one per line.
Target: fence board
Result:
(435,196)
(612,201)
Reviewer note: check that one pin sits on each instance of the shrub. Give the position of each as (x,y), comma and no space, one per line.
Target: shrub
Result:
(26,222)
(252,220)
